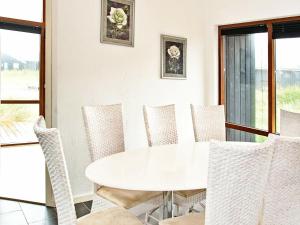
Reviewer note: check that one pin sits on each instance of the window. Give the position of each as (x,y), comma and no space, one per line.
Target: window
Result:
(259,74)
(287,76)
(22,69)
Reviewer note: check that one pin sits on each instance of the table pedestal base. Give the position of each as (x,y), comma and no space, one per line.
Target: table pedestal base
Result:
(167,209)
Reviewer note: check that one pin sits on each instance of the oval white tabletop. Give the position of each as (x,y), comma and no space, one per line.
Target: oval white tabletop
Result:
(160,168)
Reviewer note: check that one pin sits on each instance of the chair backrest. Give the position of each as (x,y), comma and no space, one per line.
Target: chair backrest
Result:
(289,124)
(236,182)
(282,195)
(208,122)
(160,123)
(104,130)
(51,144)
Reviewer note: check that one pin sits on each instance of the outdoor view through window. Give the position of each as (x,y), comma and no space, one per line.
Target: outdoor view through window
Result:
(287,76)
(19,81)
(19,71)
(246,81)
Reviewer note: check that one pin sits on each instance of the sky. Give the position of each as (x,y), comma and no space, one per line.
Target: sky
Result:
(22,46)
(287,52)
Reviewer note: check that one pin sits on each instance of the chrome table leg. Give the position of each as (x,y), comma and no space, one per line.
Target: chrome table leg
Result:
(167,209)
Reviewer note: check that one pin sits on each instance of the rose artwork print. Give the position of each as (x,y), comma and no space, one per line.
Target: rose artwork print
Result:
(174,62)
(118,17)
(117,25)
(173,57)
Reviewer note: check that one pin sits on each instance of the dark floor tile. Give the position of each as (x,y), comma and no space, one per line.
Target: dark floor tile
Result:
(89,204)
(13,218)
(35,213)
(8,206)
(52,221)
(81,209)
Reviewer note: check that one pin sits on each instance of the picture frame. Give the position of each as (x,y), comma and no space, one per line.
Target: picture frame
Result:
(117,22)
(173,57)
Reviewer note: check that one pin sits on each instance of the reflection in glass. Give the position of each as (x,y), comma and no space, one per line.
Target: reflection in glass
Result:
(246,77)
(19,59)
(287,76)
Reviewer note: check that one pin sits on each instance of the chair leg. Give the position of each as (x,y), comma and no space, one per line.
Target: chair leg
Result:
(149,214)
(146,218)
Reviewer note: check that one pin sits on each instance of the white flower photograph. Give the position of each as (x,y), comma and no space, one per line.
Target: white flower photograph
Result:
(117,22)
(173,57)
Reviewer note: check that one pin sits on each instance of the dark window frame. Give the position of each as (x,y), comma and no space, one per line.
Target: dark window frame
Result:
(271,72)
(29,27)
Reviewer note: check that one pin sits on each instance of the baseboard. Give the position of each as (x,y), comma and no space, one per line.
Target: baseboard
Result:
(83,198)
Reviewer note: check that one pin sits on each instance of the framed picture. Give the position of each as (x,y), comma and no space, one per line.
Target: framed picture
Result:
(173,57)
(117,22)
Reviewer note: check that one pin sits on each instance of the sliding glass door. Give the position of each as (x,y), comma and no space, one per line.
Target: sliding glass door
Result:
(246,81)
(259,74)
(22,93)
(20,85)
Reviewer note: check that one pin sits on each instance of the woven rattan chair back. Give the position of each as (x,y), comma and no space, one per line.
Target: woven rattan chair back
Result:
(282,195)
(289,124)
(208,123)
(160,123)
(236,182)
(51,144)
(104,130)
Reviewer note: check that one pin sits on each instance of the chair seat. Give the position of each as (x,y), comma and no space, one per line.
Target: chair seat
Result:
(189,193)
(112,216)
(126,198)
(190,219)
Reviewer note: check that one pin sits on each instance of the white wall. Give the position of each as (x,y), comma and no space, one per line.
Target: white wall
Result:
(220,12)
(86,72)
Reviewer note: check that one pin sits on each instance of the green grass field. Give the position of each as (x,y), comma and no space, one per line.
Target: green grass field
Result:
(286,98)
(19,84)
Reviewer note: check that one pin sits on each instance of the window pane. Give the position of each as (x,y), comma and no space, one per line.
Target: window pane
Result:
(22,9)
(241,136)
(16,123)
(19,57)
(246,77)
(287,76)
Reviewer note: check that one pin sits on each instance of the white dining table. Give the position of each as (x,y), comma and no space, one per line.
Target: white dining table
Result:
(165,168)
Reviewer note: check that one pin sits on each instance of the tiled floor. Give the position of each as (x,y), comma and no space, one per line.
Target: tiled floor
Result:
(18,213)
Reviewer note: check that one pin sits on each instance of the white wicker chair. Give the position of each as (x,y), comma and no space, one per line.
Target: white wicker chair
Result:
(50,142)
(209,123)
(289,123)
(237,179)
(282,195)
(160,125)
(104,130)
